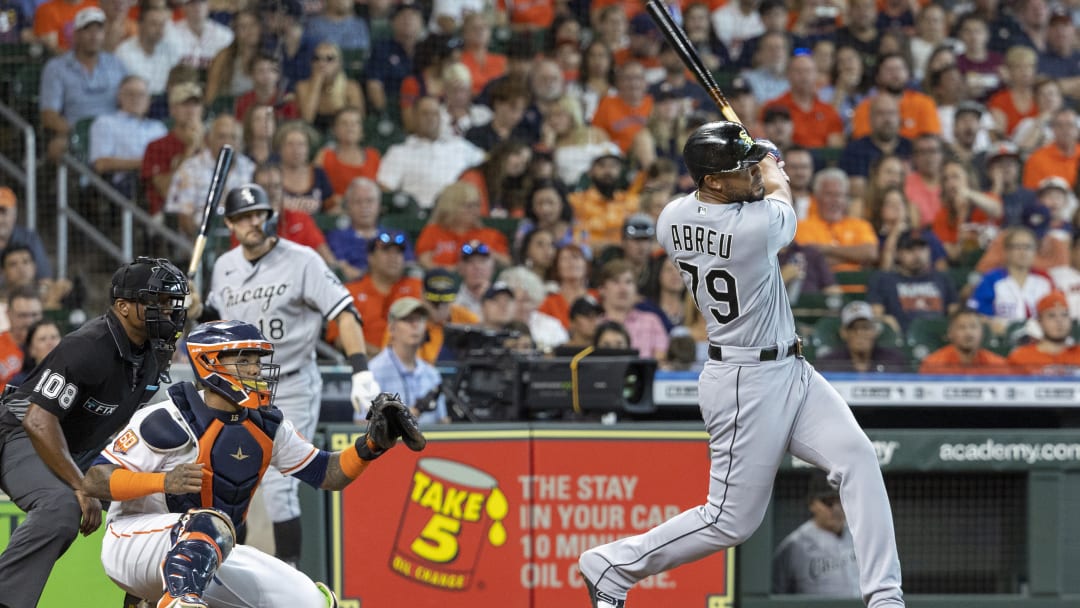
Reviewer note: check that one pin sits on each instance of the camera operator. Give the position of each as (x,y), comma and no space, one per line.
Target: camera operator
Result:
(498,307)
(399,369)
(585,315)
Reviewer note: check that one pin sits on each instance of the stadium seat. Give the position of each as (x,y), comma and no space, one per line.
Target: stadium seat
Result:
(381,131)
(925,335)
(26,88)
(352,61)
(401,203)
(328,222)
(408,223)
(853,281)
(80,140)
(506,225)
(223,104)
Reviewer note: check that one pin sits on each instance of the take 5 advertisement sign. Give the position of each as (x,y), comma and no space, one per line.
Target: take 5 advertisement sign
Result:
(498,518)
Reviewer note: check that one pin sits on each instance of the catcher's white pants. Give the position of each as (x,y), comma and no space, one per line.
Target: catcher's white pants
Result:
(755,413)
(135,546)
(299,397)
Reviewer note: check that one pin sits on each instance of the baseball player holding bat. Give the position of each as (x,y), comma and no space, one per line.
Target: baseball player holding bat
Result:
(759,398)
(287,291)
(182,473)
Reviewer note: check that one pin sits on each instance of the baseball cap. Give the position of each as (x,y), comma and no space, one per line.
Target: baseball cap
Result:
(970,107)
(855,311)
(643,24)
(585,305)
(1037,217)
(387,239)
(440,285)
(405,6)
(88,16)
(7,197)
(739,86)
(639,226)
(606,156)
(1053,182)
(185,91)
(1060,15)
(474,248)
(496,288)
(774,112)
(1002,150)
(911,238)
(1051,300)
(404,307)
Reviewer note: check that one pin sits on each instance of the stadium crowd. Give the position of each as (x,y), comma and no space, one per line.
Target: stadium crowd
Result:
(504,164)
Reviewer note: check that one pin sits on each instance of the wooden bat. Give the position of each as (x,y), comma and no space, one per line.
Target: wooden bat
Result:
(213,198)
(690,58)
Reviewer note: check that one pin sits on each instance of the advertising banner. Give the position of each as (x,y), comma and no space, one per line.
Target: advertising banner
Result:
(498,518)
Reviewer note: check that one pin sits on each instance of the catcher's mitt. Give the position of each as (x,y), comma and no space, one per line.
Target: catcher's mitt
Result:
(388,411)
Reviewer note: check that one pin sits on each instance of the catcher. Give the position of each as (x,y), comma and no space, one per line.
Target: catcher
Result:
(182,473)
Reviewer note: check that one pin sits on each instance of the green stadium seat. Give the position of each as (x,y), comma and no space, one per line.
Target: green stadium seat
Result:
(829,156)
(26,88)
(382,131)
(222,104)
(328,222)
(826,336)
(926,335)
(506,225)
(854,281)
(408,223)
(352,61)
(80,140)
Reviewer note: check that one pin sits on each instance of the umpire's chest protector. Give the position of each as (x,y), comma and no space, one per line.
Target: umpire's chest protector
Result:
(235,448)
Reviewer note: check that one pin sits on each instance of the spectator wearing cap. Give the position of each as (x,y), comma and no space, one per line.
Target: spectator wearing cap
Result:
(1066,277)
(187,190)
(968,131)
(400,370)
(736,22)
(1011,292)
(476,268)
(884,138)
(1035,132)
(427,161)
(637,245)
(964,353)
(339,25)
(1060,157)
(54,19)
(676,84)
(384,283)
(604,206)
(547,332)
(361,205)
(454,223)
(585,314)
(498,308)
(847,242)
(767,78)
(484,66)
(440,291)
(619,296)
(860,352)
(150,54)
(165,154)
(1061,59)
(1049,220)
(915,290)
(818,557)
(1002,176)
(14,234)
(391,60)
(1054,353)
(623,114)
(197,36)
(816,123)
(81,83)
(918,112)
(118,140)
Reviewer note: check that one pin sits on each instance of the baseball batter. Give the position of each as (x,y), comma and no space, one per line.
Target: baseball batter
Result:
(759,398)
(287,291)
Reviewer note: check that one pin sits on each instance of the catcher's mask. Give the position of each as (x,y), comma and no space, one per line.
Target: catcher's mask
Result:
(234,360)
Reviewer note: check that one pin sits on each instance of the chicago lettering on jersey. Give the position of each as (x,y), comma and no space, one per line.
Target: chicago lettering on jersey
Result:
(706,241)
(266,293)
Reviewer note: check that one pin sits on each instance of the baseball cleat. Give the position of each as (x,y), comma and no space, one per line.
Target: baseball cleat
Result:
(600,599)
(331,599)
(187,600)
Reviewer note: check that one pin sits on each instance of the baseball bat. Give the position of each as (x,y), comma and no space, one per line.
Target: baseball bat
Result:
(690,58)
(213,197)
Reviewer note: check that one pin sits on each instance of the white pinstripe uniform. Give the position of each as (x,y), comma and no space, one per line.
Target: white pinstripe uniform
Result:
(287,294)
(139,532)
(758,403)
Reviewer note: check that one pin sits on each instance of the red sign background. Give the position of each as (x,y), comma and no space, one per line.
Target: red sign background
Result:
(499,518)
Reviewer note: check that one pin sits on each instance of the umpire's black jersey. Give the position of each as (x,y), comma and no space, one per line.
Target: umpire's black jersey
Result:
(93,381)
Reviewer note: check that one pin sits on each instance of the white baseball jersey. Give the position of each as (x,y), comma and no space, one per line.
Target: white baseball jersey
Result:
(815,561)
(727,257)
(286,293)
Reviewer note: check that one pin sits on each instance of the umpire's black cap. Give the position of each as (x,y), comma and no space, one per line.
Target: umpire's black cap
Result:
(721,147)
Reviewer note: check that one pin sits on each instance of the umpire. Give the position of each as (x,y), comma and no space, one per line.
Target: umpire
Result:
(84,391)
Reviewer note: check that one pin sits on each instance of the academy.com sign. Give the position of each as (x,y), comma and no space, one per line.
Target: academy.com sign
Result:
(993,451)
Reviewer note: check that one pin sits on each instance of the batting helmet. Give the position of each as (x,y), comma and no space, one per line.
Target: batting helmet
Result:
(251,197)
(721,147)
(209,342)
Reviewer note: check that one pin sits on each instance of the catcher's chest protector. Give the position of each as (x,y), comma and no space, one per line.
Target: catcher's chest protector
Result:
(235,448)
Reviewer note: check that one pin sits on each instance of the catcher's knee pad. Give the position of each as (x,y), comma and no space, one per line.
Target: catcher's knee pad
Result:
(205,538)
